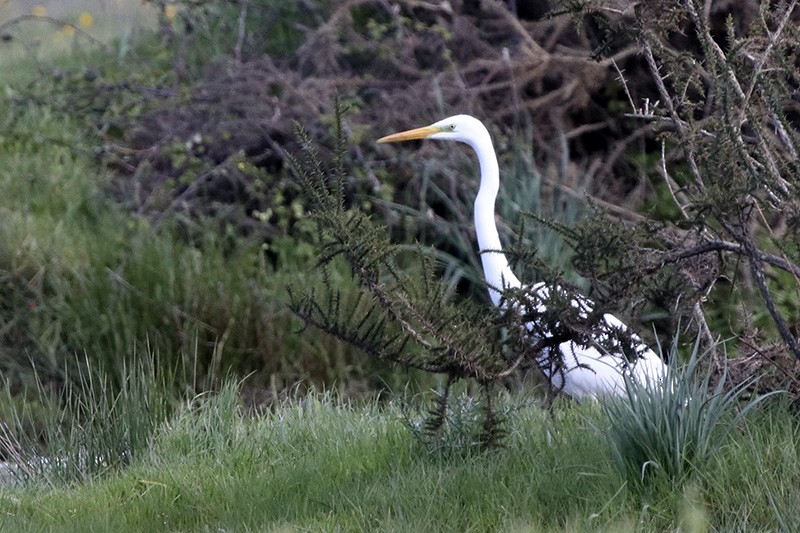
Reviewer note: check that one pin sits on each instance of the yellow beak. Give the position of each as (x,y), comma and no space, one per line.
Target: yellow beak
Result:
(410,135)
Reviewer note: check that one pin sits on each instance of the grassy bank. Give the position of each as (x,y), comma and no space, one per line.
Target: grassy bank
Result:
(323,465)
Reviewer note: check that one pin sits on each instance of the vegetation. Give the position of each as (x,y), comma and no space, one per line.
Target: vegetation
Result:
(86,277)
(324,464)
(158,202)
(675,429)
(728,159)
(671,263)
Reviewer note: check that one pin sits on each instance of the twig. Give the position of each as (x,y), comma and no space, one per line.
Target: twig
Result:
(621,146)
(679,124)
(789,375)
(757,272)
(624,85)
(237,51)
(715,50)
(702,325)
(725,246)
(671,185)
(773,38)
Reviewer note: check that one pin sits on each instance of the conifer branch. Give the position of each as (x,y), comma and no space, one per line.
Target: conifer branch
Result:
(394,311)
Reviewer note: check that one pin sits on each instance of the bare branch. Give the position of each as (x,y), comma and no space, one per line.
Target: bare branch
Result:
(679,124)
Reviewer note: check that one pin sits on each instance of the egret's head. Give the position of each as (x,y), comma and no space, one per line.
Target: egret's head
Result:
(463,128)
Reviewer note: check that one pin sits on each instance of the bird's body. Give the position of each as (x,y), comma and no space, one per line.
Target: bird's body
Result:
(587,371)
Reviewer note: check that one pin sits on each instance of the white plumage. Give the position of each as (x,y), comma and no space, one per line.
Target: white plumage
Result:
(588,372)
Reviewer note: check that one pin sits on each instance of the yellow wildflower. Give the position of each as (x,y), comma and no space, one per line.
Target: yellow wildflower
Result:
(86,20)
(68,30)
(170,12)
(39,11)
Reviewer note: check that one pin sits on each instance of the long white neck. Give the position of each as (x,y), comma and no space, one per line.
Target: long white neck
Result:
(496,270)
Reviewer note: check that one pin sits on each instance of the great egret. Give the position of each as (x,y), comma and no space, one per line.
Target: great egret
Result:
(588,371)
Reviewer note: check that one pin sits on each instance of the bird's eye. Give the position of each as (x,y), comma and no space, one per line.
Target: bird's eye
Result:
(452,127)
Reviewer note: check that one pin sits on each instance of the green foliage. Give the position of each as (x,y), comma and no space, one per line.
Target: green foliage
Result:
(320,463)
(677,429)
(84,278)
(405,317)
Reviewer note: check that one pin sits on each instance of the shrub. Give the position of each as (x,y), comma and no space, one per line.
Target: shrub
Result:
(674,430)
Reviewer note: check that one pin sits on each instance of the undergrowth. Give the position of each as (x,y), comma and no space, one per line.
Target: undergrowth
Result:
(84,277)
(115,325)
(89,283)
(323,463)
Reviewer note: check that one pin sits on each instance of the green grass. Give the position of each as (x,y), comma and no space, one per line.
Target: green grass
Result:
(675,430)
(86,283)
(83,283)
(90,429)
(82,278)
(323,464)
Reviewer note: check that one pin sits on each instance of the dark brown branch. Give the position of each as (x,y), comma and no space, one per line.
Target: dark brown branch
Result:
(758,275)
(757,271)
(725,246)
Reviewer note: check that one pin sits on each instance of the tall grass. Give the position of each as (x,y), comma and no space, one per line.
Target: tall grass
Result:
(82,277)
(674,429)
(321,463)
(93,426)
(754,478)
(534,196)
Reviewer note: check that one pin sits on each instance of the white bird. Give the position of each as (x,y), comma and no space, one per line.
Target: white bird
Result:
(588,371)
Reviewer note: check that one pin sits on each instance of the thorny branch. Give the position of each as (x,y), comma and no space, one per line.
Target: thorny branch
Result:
(752,123)
(757,271)
(676,119)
